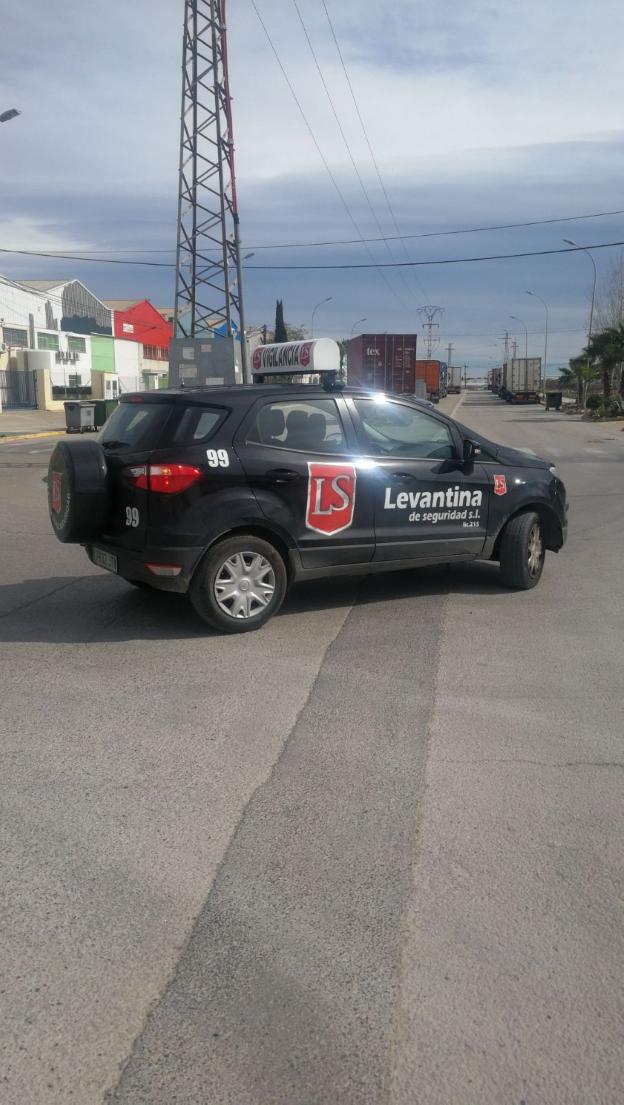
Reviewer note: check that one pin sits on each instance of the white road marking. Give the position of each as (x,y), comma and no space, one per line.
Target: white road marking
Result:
(598,452)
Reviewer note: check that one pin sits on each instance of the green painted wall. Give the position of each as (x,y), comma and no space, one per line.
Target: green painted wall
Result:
(102,354)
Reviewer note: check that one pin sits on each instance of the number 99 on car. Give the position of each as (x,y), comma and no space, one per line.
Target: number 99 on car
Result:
(218,458)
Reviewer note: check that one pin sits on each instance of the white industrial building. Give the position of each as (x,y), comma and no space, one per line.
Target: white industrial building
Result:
(56,343)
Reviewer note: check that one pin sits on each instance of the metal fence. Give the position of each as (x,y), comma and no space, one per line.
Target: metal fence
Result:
(18,389)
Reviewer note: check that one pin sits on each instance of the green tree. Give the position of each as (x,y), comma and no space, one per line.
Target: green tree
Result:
(606,349)
(281,334)
(579,374)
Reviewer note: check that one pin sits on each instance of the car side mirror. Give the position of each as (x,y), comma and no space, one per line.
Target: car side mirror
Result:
(471,450)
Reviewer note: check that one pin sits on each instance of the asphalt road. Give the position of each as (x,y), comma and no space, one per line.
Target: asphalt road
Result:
(372,853)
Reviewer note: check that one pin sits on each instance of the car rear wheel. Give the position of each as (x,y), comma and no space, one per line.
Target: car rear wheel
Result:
(239,585)
(522,551)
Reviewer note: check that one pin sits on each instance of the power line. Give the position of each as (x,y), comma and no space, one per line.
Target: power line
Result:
(309,268)
(77,253)
(317,145)
(346,141)
(367,139)
(441,261)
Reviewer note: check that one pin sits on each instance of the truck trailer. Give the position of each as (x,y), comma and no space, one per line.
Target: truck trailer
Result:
(385,362)
(454,379)
(522,380)
(435,375)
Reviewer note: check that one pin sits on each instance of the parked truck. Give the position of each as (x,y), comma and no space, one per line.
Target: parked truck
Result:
(495,380)
(385,362)
(522,380)
(435,375)
(454,378)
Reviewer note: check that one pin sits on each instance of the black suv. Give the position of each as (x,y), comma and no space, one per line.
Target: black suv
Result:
(234,493)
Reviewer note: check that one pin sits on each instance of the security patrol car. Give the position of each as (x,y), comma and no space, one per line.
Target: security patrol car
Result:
(233,493)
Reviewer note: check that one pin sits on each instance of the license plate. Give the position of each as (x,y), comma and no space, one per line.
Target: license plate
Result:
(104,559)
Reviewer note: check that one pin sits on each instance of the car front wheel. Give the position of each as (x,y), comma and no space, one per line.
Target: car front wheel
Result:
(239,585)
(522,552)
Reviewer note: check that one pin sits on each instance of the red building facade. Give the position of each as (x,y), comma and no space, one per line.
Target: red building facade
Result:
(141,322)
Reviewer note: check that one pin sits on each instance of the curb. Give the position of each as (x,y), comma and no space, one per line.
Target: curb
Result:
(10,439)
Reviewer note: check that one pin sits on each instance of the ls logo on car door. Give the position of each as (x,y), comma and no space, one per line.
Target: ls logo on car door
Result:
(331,497)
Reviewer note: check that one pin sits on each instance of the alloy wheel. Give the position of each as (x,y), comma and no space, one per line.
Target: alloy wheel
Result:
(535,550)
(244,585)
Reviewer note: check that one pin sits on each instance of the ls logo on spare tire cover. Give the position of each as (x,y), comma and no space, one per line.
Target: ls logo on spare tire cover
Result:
(331,496)
(57,481)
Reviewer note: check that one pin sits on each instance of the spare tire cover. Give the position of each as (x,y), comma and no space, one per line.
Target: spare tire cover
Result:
(78,491)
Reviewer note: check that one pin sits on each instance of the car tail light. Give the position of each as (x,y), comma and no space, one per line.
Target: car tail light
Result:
(167,479)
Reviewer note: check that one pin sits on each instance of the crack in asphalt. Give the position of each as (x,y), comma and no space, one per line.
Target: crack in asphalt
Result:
(111,1092)
(535,763)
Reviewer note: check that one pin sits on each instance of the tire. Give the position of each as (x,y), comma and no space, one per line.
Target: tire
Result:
(78,491)
(214,574)
(521,543)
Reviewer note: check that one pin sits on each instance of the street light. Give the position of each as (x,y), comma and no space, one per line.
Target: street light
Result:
(545,306)
(569,242)
(329,297)
(526,335)
(356,323)
(10,114)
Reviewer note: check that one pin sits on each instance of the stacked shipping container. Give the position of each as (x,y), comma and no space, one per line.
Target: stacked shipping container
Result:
(383,361)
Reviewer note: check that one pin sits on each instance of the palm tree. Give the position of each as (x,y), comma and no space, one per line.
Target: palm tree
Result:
(607,348)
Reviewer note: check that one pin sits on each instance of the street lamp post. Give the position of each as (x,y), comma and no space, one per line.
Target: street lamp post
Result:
(10,114)
(320,304)
(545,306)
(356,323)
(526,335)
(569,242)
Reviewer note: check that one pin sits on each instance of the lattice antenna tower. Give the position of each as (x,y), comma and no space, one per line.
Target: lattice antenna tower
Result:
(429,313)
(208,268)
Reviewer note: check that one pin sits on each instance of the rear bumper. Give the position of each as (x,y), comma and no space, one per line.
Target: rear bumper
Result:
(132,564)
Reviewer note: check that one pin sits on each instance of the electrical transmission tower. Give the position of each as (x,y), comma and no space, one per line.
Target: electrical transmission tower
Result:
(432,328)
(209,294)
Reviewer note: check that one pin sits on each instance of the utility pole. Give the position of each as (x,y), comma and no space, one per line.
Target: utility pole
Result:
(432,336)
(514,348)
(449,353)
(209,291)
(506,347)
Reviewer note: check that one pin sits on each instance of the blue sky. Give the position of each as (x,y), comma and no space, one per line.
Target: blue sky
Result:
(478,113)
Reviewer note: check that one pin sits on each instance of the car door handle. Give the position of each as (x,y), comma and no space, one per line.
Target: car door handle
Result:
(282,475)
(401,476)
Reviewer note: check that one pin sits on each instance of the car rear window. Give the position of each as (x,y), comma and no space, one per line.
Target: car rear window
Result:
(134,426)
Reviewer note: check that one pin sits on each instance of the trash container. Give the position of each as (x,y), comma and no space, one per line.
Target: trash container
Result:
(553,400)
(103,410)
(79,416)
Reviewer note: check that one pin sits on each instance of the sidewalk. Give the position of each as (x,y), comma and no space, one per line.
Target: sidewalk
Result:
(27,422)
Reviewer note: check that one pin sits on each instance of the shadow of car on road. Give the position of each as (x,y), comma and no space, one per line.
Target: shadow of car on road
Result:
(90,609)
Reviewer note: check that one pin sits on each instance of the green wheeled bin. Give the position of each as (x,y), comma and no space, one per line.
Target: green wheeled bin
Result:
(103,410)
(553,400)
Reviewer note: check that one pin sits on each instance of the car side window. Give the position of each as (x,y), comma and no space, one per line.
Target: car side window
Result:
(198,424)
(397,430)
(305,425)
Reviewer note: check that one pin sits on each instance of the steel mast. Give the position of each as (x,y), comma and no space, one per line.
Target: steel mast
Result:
(209,292)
